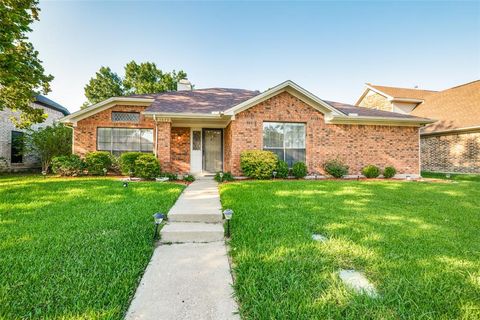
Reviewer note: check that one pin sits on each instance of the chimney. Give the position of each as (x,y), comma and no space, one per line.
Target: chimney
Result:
(184,85)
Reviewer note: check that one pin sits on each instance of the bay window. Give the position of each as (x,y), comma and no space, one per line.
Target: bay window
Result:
(118,140)
(287,140)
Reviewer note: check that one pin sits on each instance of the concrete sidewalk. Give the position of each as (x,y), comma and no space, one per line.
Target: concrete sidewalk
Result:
(189,280)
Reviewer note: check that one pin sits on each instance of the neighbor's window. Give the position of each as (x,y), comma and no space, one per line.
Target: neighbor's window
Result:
(118,140)
(125,117)
(287,140)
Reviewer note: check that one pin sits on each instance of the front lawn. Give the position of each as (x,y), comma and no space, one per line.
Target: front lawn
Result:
(417,242)
(75,248)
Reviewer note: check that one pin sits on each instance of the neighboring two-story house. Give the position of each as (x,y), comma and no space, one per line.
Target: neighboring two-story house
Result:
(11,156)
(452,142)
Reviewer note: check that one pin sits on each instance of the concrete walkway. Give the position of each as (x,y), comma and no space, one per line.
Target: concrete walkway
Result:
(189,276)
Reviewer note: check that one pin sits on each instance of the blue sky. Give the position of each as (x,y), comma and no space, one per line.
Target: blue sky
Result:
(329,48)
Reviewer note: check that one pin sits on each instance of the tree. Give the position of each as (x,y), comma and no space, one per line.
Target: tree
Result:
(49,142)
(22,76)
(143,78)
(104,85)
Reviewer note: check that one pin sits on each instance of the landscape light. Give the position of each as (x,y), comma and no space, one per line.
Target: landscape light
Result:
(228,213)
(221,176)
(157,218)
(447,175)
(44,173)
(274,173)
(125,184)
(104,171)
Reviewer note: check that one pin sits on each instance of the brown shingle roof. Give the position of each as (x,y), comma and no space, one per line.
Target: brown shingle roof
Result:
(200,101)
(399,93)
(367,112)
(454,108)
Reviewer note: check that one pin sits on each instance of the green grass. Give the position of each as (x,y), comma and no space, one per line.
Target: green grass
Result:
(418,242)
(75,248)
(453,176)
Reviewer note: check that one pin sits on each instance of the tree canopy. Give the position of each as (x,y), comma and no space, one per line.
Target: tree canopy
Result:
(22,75)
(140,78)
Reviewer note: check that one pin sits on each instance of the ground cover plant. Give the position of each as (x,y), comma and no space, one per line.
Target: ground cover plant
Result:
(417,242)
(75,248)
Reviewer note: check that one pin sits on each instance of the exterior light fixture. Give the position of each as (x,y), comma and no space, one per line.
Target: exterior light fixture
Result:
(221,176)
(125,184)
(130,174)
(228,213)
(316,176)
(447,175)
(44,173)
(157,218)
(274,173)
(104,171)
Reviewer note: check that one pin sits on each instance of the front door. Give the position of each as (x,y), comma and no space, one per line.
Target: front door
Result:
(212,150)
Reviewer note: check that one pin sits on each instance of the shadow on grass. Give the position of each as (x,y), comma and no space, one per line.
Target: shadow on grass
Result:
(415,241)
(75,248)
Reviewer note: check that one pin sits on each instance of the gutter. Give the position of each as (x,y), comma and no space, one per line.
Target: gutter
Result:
(461,130)
(378,120)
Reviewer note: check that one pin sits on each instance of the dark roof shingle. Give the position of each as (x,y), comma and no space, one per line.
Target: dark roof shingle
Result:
(203,101)
(367,112)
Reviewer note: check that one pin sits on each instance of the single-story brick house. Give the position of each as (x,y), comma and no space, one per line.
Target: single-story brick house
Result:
(205,130)
(450,144)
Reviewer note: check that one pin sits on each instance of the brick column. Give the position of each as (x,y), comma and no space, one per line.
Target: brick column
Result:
(164,128)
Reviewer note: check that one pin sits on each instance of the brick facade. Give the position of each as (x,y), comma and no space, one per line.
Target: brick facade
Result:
(180,150)
(173,144)
(356,145)
(374,100)
(451,153)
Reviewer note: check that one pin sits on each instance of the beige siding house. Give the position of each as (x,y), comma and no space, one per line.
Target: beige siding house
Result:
(452,143)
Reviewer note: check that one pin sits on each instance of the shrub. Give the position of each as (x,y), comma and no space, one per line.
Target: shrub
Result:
(97,161)
(71,165)
(336,168)
(389,172)
(147,166)
(189,178)
(170,176)
(127,162)
(371,171)
(227,176)
(258,164)
(299,170)
(282,169)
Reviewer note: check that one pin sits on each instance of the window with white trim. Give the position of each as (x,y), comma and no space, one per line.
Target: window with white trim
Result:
(285,139)
(118,140)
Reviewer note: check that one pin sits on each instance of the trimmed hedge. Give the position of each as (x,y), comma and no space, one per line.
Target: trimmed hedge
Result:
(127,162)
(389,172)
(258,164)
(299,170)
(371,171)
(98,160)
(336,168)
(147,166)
(282,169)
(71,165)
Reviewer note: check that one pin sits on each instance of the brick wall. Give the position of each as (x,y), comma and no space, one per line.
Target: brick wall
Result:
(85,133)
(173,144)
(6,128)
(357,145)
(180,150)
(451,153)
(374,100)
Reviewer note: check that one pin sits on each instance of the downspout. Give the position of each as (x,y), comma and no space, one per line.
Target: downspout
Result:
(156,136)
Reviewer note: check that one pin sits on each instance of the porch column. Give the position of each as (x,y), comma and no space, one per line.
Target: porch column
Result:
(164,128)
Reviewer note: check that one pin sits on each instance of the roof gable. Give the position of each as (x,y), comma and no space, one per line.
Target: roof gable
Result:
(293,89)
(454,108)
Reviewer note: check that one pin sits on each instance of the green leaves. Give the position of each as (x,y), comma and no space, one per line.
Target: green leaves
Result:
(143,78)
(22,75)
